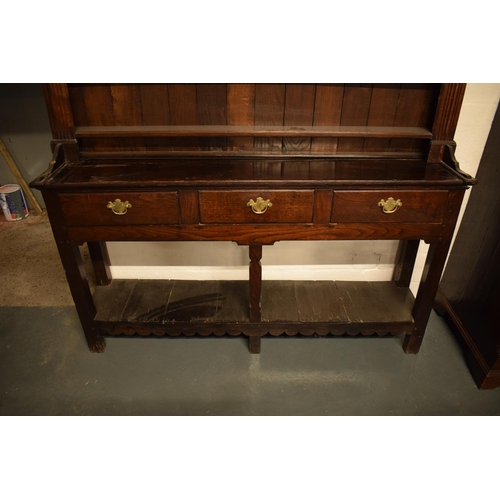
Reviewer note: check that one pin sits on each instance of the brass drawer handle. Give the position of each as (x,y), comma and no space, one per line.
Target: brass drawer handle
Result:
(259,206)
(389,206)
(119,207)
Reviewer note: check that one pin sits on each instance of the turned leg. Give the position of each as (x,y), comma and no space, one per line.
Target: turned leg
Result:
(100,261)
(254,345)
(405,262)
(426,294)
(255,275)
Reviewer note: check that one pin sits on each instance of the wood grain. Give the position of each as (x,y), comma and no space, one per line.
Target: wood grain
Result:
(60,112)
(240,111)
(417,206)
(355,111)
(382,113)
(211,109)
(255,282)
(299,111)
(327,113)
(324,155)
(269,110)
(264,234)
(147,208)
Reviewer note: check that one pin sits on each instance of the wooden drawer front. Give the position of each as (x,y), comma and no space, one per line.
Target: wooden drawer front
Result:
(363,206)
(231,206)
(146,208)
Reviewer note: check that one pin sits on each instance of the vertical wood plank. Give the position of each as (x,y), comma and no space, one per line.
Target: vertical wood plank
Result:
(155,111)
(327,112)
(127,111)
(126,101)
(414,109)
(382,113)
(182,106)
(299,111)
(154,104)
(99,105)
(269,110)
(211,109)
(240,111)
(77,99)
(255,282)
(355,110)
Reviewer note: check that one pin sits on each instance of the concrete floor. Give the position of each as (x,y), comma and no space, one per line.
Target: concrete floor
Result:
(47,369)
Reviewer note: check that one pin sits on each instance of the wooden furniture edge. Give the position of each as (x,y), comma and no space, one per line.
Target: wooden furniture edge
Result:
(483,375)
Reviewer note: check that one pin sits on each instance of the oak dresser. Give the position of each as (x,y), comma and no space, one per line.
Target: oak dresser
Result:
(253,164)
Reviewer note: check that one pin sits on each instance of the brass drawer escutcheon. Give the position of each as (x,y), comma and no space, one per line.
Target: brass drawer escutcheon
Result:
(259,206)
(389,206)
(119,207)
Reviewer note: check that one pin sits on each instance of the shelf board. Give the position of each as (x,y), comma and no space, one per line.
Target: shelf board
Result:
(172,307)
(252,131)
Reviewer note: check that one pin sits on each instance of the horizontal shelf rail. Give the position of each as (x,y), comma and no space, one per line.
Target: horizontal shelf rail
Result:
(252,131)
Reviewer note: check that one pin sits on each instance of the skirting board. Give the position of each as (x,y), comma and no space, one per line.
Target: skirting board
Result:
(315,273)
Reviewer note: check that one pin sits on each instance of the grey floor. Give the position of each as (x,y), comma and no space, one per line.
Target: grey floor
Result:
(47,369)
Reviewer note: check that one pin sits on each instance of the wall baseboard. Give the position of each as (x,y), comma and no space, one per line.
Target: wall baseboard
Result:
(311,272)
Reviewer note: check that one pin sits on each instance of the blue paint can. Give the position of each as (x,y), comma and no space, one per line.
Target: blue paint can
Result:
(13,203)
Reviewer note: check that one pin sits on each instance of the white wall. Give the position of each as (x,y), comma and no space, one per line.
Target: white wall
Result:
(307,260)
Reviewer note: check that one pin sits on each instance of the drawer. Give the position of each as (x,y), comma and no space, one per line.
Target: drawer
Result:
(405,206)
(98,209)
(233,206)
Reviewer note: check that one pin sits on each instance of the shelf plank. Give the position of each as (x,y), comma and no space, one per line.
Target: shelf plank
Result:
(252,131)
(206,305)
(148,299)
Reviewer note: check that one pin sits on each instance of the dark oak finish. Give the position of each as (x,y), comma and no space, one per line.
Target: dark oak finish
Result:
(146,208)
(189,158)
(255,281)
(405,262)
(231,206)
(325,306)
(100,260)
(417,206)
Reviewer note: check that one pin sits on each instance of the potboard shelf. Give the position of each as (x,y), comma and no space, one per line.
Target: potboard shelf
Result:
(172,307)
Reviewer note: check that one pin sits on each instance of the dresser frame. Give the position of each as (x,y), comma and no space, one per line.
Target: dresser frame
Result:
(190,160)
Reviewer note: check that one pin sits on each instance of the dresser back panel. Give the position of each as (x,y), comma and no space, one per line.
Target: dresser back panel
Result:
(272,118)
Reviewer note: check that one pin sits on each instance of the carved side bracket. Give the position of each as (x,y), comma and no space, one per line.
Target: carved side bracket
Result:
(443,152)
(62,151)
